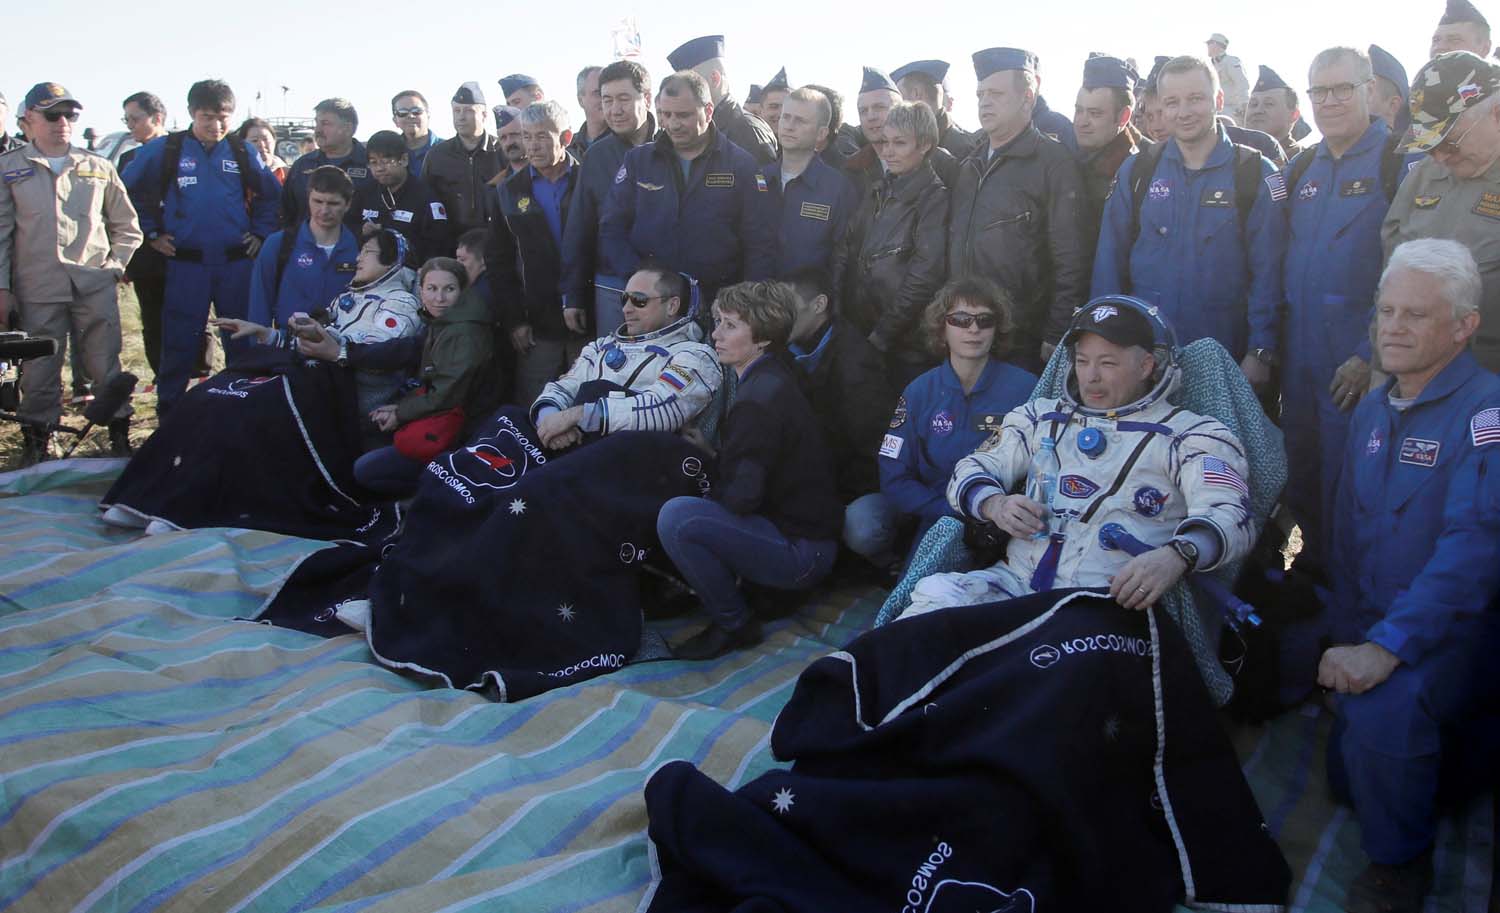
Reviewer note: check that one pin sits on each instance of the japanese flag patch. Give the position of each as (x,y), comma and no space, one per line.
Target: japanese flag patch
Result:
(438,210)
(1484,428)
(891,445)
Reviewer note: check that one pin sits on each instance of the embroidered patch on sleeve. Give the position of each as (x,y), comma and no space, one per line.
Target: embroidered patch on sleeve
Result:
(891,446)
(676,378)
(1218,472)
(1276,183)
(1484,428)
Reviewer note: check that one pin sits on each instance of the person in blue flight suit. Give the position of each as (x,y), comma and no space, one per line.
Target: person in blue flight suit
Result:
(691,199)
(815,202)
(303,273)
(1209,259)
(1416,611)
(1336,203)
(208,219)
(943,416)
(334,123)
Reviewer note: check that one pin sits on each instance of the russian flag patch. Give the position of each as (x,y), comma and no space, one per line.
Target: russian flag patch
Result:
(675,378)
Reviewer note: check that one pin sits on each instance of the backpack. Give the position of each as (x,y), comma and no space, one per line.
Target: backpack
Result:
(172,158)
(1247,179)
(1391,162)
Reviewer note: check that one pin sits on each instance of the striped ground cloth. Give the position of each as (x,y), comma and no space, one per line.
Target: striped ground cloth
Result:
(156,754)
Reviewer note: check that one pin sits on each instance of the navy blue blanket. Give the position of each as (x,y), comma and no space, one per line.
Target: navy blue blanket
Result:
(268,444)
(517,569)
(1050,753)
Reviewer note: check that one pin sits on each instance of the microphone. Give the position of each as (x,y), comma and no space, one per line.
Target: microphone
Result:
(109,400)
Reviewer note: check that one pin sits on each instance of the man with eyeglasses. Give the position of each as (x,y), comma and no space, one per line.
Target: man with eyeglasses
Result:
(459,169)
(1454,193)
(654,373)
(413,117)
(400,202)
(1337,198)
(67,229)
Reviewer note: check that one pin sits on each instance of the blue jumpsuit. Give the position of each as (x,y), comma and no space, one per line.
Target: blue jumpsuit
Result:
(814,212)
(207,215)
(310,280)
(1333,261)
(1416,563)
(1190,258)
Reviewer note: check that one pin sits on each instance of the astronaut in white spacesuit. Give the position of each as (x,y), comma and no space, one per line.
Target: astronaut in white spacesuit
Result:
(654,373)
(1173,479)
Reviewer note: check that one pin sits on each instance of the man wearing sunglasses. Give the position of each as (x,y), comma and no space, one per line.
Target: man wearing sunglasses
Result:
(1454,193)
(67,229)
(413,117)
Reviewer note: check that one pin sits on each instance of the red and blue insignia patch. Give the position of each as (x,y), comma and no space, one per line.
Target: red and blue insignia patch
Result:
(1077,487)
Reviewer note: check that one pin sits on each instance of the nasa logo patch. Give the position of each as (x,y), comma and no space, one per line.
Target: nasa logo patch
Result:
(1149,501)
(942,423)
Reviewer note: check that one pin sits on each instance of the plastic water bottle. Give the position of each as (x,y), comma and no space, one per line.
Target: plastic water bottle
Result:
(1041,481)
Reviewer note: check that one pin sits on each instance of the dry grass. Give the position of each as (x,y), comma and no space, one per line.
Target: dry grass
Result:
(133,358)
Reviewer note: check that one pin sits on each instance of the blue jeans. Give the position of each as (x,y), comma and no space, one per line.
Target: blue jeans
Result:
(712,545)
(386,471)
(871,527)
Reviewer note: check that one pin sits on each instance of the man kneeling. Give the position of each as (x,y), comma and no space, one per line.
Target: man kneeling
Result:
(1124,455)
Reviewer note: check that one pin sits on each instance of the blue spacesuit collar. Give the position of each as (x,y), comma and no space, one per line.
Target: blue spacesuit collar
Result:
(1455,375)
(1374,135)
(1223,153)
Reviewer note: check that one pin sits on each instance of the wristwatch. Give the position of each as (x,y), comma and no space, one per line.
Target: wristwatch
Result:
(343,359)
(1266,357)
(1186,550)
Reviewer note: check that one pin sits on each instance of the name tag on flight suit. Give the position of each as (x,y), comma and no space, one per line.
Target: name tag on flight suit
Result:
(1218,199)
(816,211)
(1355,188)
(719,179)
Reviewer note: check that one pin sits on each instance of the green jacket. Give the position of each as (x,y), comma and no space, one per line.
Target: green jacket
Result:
(458,364)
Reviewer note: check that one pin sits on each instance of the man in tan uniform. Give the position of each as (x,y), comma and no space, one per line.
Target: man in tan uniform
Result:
(1232,78)
(1454,193)
(67,229)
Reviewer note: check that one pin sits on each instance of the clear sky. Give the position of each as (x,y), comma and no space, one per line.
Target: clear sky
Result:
(367,51)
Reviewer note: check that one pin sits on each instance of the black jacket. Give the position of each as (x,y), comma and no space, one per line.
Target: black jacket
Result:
(460,177)
(956,140)
(893,260)
(294,189)
(1100,167)
(773,461)
(746,130)
(413,210)
(1018,220)
(581,228)
(524,261)
(844,379)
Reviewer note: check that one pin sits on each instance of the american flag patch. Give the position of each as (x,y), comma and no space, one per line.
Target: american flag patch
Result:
(1218,472)
(1484,428)
(675,379)
(1277,184)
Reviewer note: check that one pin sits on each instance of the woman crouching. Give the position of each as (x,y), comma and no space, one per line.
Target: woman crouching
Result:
(773,518)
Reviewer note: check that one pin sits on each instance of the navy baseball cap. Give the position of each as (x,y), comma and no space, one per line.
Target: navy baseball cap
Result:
(935,70)
(875,80)
(469,94)
(1121,324)
(509,84)
(46,95)
(691,53)
(990,61)
(1105,72)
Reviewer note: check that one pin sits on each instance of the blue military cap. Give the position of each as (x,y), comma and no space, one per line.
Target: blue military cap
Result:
(504,114)
(778,82)
(1155,74)
(1105,72)
(754,94)
(875,80)
(1462,11)
(469,94)
(45,95)
(1387,66)
(990,61)
(1268,80)
(936,70)
(691,53)
(514,81)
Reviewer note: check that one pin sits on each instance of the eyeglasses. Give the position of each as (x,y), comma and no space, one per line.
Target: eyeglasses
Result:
(638,300)
(1451,146)
(1341,92)
(964,320)
(131,120)
(408,112)
(55,116)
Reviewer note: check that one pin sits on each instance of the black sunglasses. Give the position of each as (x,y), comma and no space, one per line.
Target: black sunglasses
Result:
(55,116)
(963,320)
(408,112)
(639,300)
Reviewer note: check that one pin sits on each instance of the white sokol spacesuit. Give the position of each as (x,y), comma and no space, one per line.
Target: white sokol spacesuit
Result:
(1162,472)
(670,376)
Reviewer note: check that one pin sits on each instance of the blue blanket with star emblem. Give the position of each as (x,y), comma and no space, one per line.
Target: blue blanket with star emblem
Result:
(517,569)
(268,444)
(1047,753)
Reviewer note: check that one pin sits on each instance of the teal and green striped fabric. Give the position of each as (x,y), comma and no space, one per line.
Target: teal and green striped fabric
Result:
(158,754)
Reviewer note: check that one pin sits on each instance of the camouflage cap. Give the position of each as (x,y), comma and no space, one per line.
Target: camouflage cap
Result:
(1446,87)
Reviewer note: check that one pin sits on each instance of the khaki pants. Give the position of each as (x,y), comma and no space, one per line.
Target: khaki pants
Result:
(94,319)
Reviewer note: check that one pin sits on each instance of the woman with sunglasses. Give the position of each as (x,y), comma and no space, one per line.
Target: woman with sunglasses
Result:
(948,412)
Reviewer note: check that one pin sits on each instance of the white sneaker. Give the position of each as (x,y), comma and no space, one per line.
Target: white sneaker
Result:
(157,527)
(355,613)
(126,519)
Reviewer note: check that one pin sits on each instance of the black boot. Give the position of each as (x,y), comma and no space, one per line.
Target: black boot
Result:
(714,641)
(35,443)
(119,437)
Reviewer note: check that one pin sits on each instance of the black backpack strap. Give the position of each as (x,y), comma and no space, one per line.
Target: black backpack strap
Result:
(171,154)
(1392,166)
(242,159)
(1298,166)
(1141,174)
(1247,178)
(284,253)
